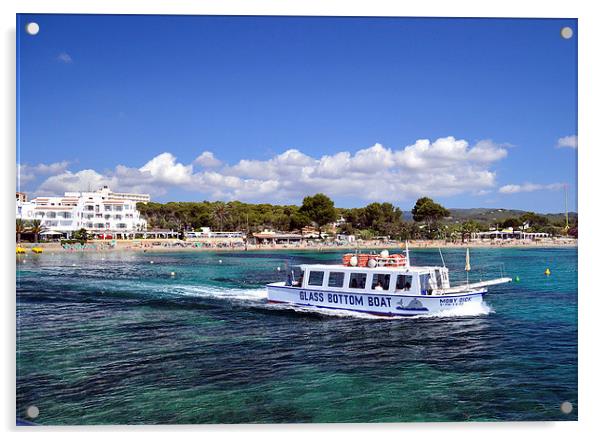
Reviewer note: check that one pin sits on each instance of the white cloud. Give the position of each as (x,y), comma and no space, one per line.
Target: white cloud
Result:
(64,57)
(567,142)
(291,162)
(530,187)
(164,169)
(207,160)
(80,181)
(487,151)
(445,167)
(28,173)
(51,168)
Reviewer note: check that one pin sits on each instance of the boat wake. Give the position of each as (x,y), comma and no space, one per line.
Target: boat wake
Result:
(258,298)
(245,295)
(324,312)
(465,311)
(473,309)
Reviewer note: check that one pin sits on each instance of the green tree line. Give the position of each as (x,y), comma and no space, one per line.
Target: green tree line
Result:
(231,216)
(430,220)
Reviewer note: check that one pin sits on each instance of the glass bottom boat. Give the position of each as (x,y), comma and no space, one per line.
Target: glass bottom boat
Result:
(380,285)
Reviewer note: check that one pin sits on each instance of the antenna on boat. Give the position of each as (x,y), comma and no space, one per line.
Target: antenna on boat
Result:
(407,255)
(467,267)
(291,270)
(442,260)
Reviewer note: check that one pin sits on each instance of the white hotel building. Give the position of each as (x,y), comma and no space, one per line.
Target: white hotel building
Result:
(99,212)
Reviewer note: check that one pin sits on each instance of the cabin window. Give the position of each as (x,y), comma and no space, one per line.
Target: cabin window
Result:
(426,287)
(404,282)
(316,278)
(380,281)
(357,281)
(335,279)
(438,277)
(299,281)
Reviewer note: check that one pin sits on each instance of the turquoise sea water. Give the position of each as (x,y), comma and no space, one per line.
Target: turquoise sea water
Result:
(113,339)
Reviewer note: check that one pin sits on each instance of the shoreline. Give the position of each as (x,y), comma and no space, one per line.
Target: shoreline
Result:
(169,246)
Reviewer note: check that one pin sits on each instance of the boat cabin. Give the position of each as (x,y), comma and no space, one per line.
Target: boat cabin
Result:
(383,280)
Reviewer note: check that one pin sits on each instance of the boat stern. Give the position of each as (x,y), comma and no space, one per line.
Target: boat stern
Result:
(279,292)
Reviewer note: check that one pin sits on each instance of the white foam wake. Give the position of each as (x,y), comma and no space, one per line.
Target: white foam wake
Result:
(326,312)
(471,309)
(254,295)
(259,296)
(464,311)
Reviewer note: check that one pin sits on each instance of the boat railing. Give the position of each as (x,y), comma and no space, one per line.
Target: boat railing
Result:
(485,270)
(393,261)
(364,260)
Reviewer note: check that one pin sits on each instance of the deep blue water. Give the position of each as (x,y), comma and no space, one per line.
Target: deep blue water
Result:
(111,338)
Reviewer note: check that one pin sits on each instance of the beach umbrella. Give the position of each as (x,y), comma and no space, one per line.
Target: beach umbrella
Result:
(51,232)
(467,267)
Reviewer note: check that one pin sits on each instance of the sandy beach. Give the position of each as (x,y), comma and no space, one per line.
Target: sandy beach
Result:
(171,245)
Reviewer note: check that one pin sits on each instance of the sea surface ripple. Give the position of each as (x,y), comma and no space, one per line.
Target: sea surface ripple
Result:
(110,338)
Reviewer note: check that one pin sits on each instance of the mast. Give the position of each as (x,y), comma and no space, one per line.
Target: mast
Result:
(407,255)
(247,236)
(566,208)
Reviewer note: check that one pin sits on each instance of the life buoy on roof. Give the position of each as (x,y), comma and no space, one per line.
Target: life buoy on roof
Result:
(371,260)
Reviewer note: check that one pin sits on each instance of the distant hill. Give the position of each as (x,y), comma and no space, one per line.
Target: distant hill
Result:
(491,215)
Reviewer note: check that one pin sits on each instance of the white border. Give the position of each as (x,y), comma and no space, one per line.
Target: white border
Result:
(590,77)
(435,8)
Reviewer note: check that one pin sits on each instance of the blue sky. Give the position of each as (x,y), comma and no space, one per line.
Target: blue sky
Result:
(472,112)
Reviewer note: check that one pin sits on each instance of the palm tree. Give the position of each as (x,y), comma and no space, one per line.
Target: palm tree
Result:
(467,228)
(36,229)
(81,235)
(220,213)
(21,228)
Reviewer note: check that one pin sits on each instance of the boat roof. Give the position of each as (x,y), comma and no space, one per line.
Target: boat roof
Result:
(391,269)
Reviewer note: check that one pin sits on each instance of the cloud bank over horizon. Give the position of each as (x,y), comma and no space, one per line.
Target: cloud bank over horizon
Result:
(445,167)
(530,187)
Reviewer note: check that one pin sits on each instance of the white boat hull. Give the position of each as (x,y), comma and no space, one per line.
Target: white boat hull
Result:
(377,303)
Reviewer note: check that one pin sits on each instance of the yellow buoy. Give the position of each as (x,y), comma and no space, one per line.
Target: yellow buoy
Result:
(20,250)
(37,250)
(547,272)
